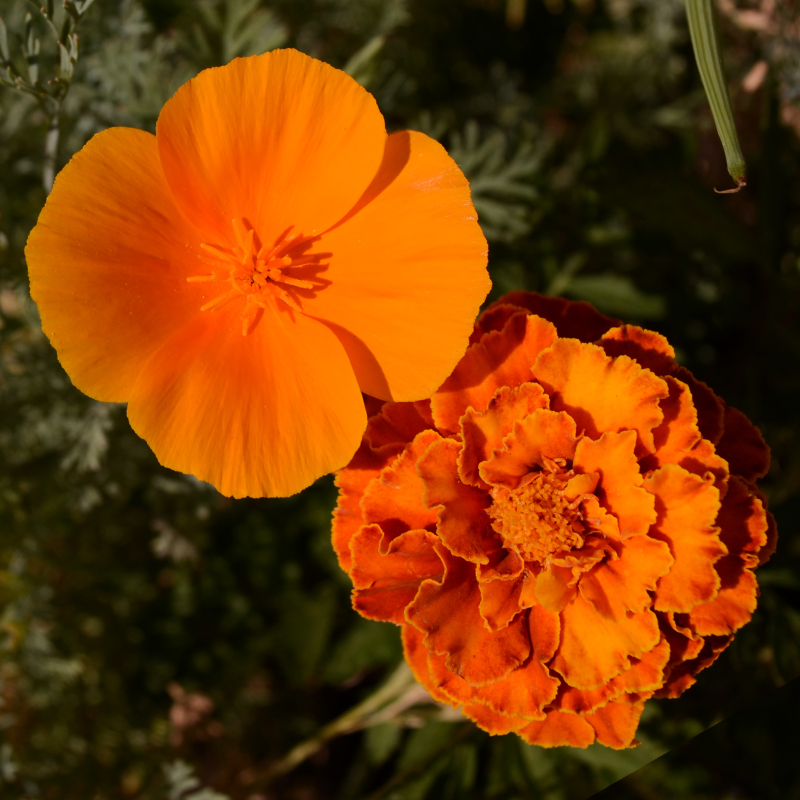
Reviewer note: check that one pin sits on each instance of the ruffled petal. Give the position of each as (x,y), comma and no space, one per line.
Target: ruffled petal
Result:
(494,723)
(648,348)
(615,724)
(500,582)
(352,482)
(108,262)
(493,319)
(555,587)
(417,659)
(600,393)
(448,614)
(387,574)
(616,586)
(280,139)
(687,508)
(542,434)
(594,650)
(396,423)
(573,319)
(559,729)
(710,408)
(684,674)
(501,358)
(407,272)
(734,604)
(482,432)
(255,415)
(463,526)
(394,499)
(620,489)
(743,446)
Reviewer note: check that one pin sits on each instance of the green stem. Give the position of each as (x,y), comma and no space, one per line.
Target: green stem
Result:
(702,29)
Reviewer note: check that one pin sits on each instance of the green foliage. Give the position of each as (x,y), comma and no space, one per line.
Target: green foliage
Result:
(127,590)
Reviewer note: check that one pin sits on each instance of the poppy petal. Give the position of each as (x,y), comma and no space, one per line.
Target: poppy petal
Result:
(448,612)
(619,585)
(392,294)
(223,406)
(542,434)
(594,650)
(394,499)
(620,490)
(281,120)
(352,482)
(687,508)
(386,580)
(501,358)
(559,729)
(464,526)
(600,393)
(482,432)
(88,245)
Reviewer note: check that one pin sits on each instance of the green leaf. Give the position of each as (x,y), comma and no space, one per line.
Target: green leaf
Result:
(617,295)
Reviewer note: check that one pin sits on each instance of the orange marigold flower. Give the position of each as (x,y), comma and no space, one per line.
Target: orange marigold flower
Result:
(567,528)
(243,275)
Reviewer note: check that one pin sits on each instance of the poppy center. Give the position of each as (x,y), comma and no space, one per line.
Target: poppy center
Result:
(260,272)
(536,519)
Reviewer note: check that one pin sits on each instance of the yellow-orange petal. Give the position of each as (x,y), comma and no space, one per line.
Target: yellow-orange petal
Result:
(743,446)
(352,481)
(678,433)
(573,319)
(416,656)
(494,723)
(394,499)
(484,431)
(464,526)
(594,650)
(542,434)
(616,586)
(255,415)
(386,574)
(600,393)
(279,139)
(615,724)
(448,613)
(687,508)
(559,729)
(500,358)
(407,272)
(648,348)
(733,605)
(108,262)
(501,583)
(620,489)
(395,423)
(554,587)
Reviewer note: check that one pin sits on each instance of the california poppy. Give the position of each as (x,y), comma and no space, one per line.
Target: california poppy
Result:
(241,277)
(569,527)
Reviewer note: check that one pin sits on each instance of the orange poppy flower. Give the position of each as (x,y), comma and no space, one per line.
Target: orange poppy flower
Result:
(241,277)
(567,528)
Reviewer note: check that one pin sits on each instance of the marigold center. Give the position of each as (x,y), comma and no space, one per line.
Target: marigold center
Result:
(536,519)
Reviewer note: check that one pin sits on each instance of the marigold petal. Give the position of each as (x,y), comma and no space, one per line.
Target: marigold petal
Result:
(600,393)
(559,729)
(501,358)
(108,262)
(555,587)
(352,481)
(542,434)
(573,319)
(649,348)
(394,499)
(683,675)
(616,724)
(281,120)
(493,319)
(483,432)
(463,524)
(710,409)
(743,522)
(616,586)
(386,574)
(395,423)
(224,407)
(406,322)
(734,604)
(448,613)
(494,723)
(743,446)
(620,490)
(416,656)
(594,650)
(500,601)
(687,508)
